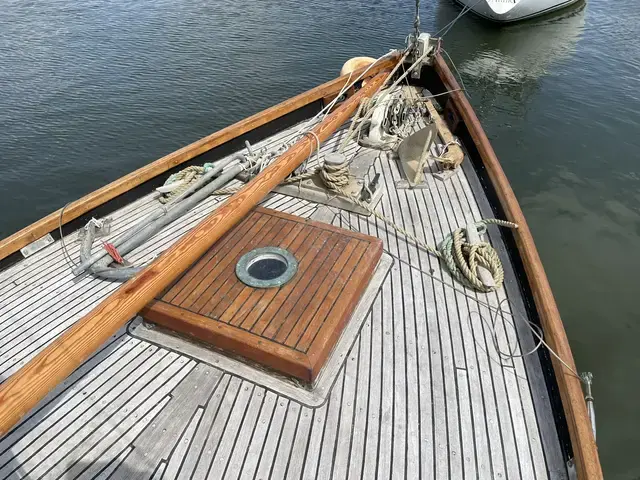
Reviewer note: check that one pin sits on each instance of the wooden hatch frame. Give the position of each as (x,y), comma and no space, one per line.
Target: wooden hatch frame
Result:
(291,329)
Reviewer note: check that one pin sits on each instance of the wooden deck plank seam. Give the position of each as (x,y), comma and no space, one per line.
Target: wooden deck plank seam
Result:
(306,259)
(530,365)
(437,201)
(401,248)
(163,357)
(520,414)
(344,269)
(88,371)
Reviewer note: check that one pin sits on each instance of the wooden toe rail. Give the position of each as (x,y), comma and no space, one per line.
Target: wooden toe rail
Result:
(453,156)
(582,440)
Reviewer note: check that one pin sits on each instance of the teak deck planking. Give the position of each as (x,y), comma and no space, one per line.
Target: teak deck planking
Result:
(415,391)
(39,321)
(582,438)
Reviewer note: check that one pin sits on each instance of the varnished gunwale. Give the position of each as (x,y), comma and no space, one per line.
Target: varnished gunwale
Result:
(583,442)
(88,203)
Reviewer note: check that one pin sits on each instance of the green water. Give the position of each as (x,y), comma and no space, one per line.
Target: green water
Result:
(92,90)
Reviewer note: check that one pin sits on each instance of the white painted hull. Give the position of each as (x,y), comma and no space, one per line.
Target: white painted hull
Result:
(512,11)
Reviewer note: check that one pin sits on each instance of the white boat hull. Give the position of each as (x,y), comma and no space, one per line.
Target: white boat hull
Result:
(505,11)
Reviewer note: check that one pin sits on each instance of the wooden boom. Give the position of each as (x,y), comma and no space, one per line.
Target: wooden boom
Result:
(23,390)
(582,439)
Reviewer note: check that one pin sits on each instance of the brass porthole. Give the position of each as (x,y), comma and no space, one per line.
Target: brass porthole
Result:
(266,267)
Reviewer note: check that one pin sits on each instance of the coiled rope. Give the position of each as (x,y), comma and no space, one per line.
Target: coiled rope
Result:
(462,258)
(459,256)
(187,177)
(335,177)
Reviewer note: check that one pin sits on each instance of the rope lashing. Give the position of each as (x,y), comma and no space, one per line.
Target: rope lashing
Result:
(446,162)
(335,177)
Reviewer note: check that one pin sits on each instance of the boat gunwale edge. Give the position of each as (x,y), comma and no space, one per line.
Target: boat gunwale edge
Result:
(582,439)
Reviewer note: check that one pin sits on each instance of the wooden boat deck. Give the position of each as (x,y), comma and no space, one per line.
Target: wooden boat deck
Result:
(422,392)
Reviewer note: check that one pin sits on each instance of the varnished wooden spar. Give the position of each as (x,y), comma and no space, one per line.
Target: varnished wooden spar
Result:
(23,390)
(85,204)
(582,440)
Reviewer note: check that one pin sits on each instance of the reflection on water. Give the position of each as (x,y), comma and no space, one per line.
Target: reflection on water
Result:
(504,63)
(91,90)
(516,53)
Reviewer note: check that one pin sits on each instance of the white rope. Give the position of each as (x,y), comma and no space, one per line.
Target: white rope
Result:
(367,106)
(461,258)
(317,150)
(264,158)
(342,91)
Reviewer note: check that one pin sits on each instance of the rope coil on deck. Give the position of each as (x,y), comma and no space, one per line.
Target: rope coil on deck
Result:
(335,177)
(187,177)
(462,258)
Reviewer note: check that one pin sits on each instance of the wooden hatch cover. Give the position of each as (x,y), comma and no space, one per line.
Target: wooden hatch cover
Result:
(292,328)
